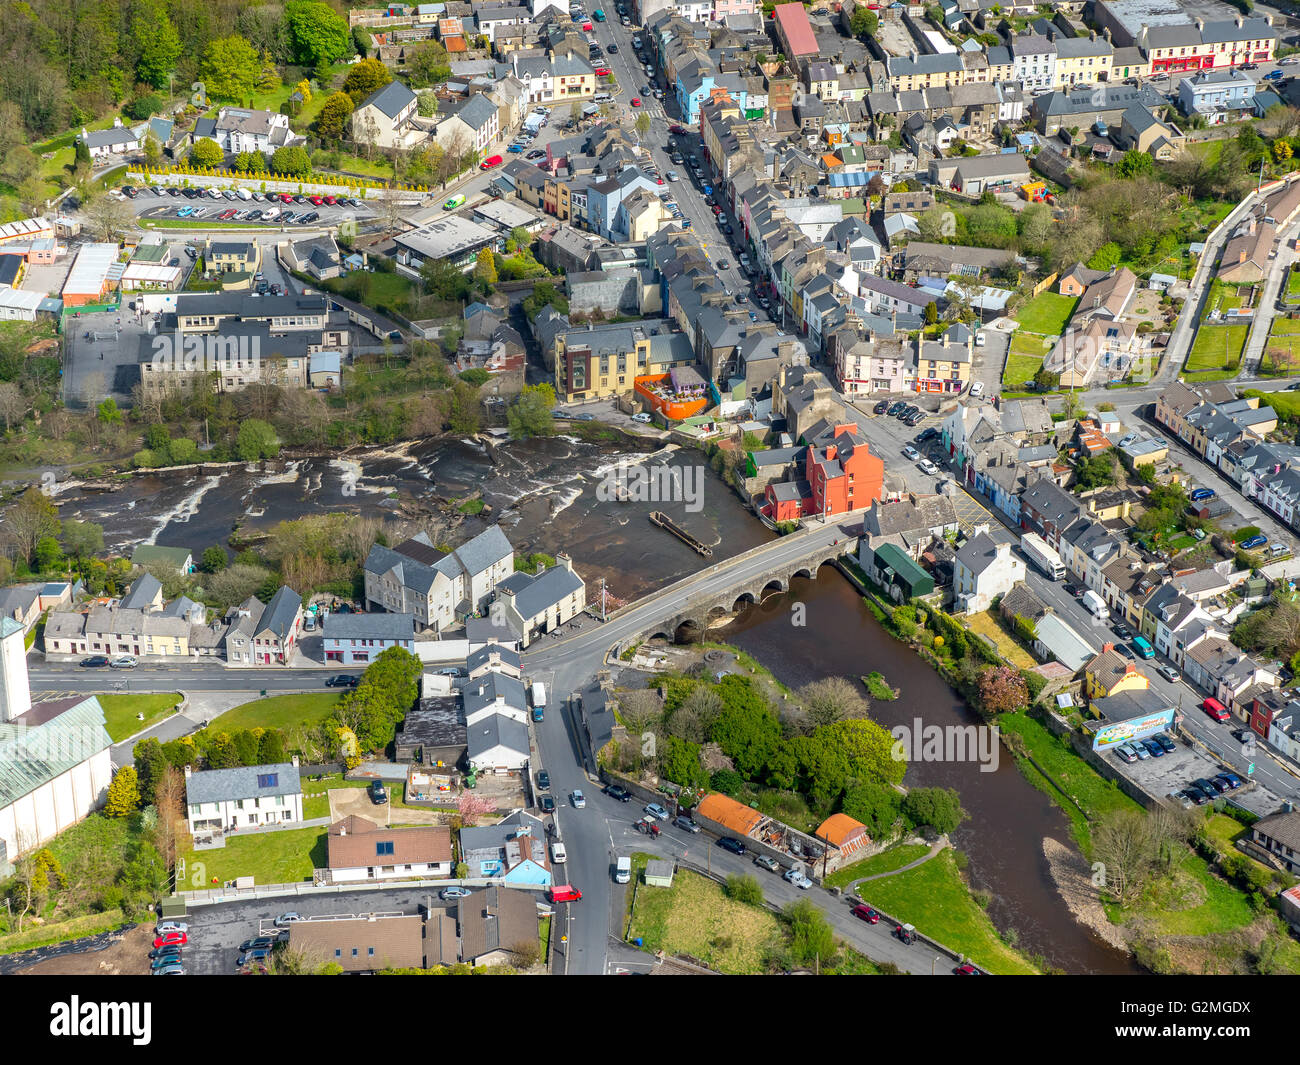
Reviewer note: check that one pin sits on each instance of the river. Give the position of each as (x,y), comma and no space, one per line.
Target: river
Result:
(1008,817)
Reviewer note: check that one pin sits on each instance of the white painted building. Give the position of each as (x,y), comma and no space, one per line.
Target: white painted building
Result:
(227,800)
(984,570)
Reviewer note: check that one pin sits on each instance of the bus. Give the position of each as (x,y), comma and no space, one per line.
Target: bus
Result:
(1142,647)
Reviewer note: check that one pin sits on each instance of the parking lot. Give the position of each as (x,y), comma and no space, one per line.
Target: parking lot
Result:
(260,209)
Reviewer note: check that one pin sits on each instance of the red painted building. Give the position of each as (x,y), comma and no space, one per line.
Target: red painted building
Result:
(839,475)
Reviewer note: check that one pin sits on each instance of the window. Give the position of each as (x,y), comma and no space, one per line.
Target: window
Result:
(384,847)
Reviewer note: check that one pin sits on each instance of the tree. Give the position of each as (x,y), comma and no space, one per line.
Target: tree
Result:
(444,280)
(214,560)
(230,68)
(932,313)
(1002,689)
(939,808)
(335,115)
(206,153)
(744,888)
(811,939)
(530,413)
(832,699)
(1134,163)
(256,440)
(1106,257)
(123,793)
(1122,843)
(863,22)
(83,539)
(364,78)
(152,150)
(427,64)
(158,42)
(1094,472)
(169,804)
(107,218)
(28,521)
(679,761)
(316,33)
(150,764)
(876,806)
(1281,151)
(293,161)
(726,781)
(643,123)
(13,404)
(746,730)
(268,80)
(471,807)
(389,686)
(485,267)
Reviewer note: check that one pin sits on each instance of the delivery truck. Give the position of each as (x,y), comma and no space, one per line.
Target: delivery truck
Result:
(1042,556)
(539,699)
(1096,605)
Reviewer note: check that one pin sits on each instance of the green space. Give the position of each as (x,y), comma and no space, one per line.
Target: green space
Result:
(1020,368)
(695,917)
(379,167)
(286,857)
(1293,283)
(43,935)
(988,623)
(1047,313)
(280,711)
(120,712)
(1084,786)
(878,686)
(1190,901)
(1287,404)
(1216,352)
(884,862)
(935,899)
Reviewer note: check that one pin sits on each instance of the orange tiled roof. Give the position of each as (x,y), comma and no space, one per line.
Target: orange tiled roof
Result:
(729,813)
(839,829)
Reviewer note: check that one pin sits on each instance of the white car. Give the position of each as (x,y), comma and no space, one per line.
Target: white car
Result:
(910,453)
(170,926)
(287,919)
(578,799)
(641,417)
(928,467)
(122,662)
(796,877)
(977,389)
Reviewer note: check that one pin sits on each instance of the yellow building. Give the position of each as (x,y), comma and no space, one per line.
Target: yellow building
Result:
(1110,673)
(942,366)
(233,256)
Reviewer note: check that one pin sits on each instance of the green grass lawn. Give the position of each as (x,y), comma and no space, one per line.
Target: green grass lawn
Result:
(1084,784)
(1019,369)
(695,917)
(1287,404)
(1282,349)
(269,857)
(1191,901)
(934,897)
(120,712)
(1046,313)
(1217,351)
(885,862)
(1293,283)
(280,711)
(356,164)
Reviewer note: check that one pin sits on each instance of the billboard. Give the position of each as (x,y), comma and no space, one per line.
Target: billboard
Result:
(1134,729)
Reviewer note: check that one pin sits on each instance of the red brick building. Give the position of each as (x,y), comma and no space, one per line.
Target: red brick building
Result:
(838,474)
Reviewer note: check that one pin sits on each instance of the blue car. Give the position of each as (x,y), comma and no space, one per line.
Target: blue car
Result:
(1156,750)
(1201,494)
(1273,75)
(1253,543)
(515,149)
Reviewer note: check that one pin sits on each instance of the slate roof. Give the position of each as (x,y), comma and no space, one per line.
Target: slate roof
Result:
(225,785)
(383,626)
(281,612)
(538,593)
(142,593)
(390,100)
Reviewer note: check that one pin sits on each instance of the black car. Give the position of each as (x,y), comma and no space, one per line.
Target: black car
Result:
(544,780)
(881,407)
(617,791)
(1218,786)
(547,804)
(926,434)
(342,680)
(128,190)
(1196,795)
(378,793)
(94,661)
(1166,744)
(1074,590)
(1123,632)
(191,194)
(894,408)
(730,843)
(171,951)
(173,191)
(255,943)
(612,49)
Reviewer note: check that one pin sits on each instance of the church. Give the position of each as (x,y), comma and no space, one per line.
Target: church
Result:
(54,756)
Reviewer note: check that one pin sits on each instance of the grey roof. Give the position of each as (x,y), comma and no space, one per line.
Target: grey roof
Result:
(978,553)
(546,589)
(497,730)
(478,112)
(142,592)
(483,656)
(370,627)
(491,688)
(391,99)
(488,547)
(224,785)
(281,612)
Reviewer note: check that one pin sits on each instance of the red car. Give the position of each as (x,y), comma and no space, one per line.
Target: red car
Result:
(967,970)
(171,939)
(866,913)
(285,198)
(674,128)
(586,27)
(315,201)
(602,72)
(331,200)
(659,181)
(490,163)
(636,101)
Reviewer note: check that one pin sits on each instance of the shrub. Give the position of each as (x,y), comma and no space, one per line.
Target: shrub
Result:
(744,888)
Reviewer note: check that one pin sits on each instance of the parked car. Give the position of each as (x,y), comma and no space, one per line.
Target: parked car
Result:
(544,780)
(1153,748)
(865,913)
(1074,590)
(966,970)
(730,843)
(1231,779)
(286,919)
(926,435)
(1142,753)
(910,453)
(378,793)
(174,969)
(171,939)
(257,954)
(1195,795)
(655,810)
(1215,709)
(617,791)
(1122,631)
(447,894)
(928,467)
(171,951)
(123,662)
(1217,785)
(1253,543)
(1166,744)
(1201,494)
(343,680)
(1125,754)
(685,823)
(767,862)
(547,804)
(258,941)
(1169,673)
(797,878)
(95,661)
(881,407)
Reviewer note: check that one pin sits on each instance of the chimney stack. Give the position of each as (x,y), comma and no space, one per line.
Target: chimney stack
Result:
(294,760)
(188,770)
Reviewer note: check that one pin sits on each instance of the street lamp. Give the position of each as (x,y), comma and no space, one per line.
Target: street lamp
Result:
(937,960)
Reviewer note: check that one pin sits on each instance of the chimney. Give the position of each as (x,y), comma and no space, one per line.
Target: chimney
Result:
(564,560)
(1107,647)
(187,772)
(1129,669)
(294,761)
(1200,24)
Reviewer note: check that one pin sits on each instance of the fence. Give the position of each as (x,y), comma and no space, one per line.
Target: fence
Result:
(219,896)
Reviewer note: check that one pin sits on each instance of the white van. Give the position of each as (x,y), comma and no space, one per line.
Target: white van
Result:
(558,855)
(603,97)
(623,871)
(1278,549)
(1096,605)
